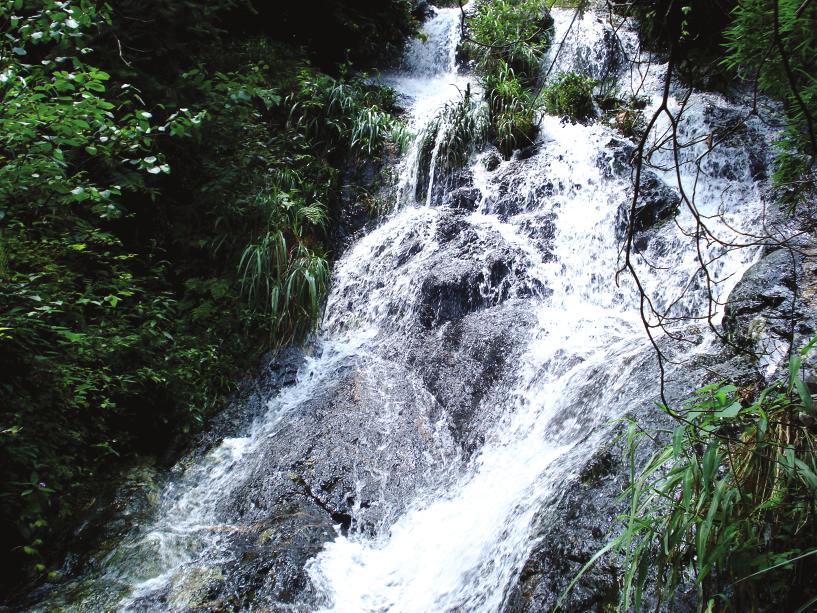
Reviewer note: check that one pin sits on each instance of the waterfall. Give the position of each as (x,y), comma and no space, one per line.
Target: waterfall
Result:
(469,361)
(459,546)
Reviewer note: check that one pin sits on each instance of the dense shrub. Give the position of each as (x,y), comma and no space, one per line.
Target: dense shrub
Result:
(774,42)
(507,41)
(570,95)
(162,222)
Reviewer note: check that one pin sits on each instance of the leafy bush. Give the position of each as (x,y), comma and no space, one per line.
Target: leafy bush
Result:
(728,506)
(149,253)
(516,32)
(570,95)
(775,42)
(508,40)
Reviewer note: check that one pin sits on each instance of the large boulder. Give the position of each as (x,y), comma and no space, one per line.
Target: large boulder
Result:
(473,269)
(770,308)
(740,148)
(462,361)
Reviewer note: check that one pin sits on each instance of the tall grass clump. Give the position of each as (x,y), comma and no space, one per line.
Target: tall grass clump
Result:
(448,140)
(727,506)
(507,41)
(340,113)
(283,271)
(570,95)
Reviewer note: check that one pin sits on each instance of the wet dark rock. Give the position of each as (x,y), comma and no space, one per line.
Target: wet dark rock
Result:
(318,472)
(443,184)
(278,369)
(463,198)
(740,146)
(470,273)
(330,453)
(514,196)
(460,362)
(492,160)
(616,160)
(657,204)
(527,152)
(350,212)
(760,310)
(268,566)
(541,228)
(572,529)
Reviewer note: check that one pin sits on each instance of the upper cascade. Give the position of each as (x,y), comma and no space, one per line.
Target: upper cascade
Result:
(435,51)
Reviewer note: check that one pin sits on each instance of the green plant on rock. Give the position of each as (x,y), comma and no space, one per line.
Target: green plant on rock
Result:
(460,128)
(508,41)
(624,112)
(513,110)
(728,505)
(570,95)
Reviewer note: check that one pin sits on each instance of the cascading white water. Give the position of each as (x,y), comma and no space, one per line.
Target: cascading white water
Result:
(458,548)
(460,536)
(427,81)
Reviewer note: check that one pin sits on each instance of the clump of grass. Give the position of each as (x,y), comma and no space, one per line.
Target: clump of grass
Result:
(351,113)
(285,282)
(728,506)
(570,95)
(513,110)
(508,39)
(459,129)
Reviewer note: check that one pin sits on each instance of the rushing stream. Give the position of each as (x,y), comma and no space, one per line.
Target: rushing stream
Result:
(474,348)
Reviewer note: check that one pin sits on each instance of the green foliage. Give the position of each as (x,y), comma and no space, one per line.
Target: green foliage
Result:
(514,32)
(508,40)
(570,95)
(775,42)
(134,297)
(624,112)
(337,113)
(451,137)
(728,505)
(692,30)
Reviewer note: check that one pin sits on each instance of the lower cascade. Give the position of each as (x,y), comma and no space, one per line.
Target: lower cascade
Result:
(475,349)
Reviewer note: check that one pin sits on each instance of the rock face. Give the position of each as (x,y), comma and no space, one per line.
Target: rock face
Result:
(770,308)
(581,522)
(462,360)
(764,300)
(757,318)
(657,203)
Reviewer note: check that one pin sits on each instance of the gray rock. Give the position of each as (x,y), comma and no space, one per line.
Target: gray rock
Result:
(765,309)
(469,273)
(581,521)
(657,204)
(461,361)
(463,198)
